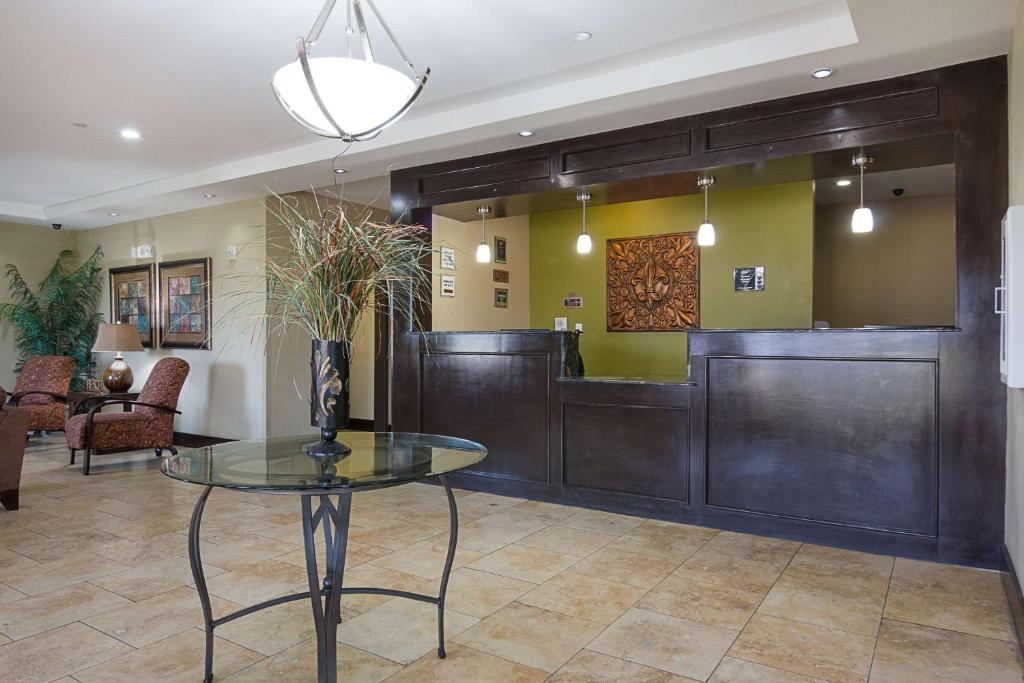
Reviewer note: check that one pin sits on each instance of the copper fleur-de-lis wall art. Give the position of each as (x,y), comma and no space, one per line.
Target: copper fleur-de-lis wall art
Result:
(653,283)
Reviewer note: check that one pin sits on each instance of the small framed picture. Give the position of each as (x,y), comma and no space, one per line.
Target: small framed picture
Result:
(748,279)
(500,275)
(500,250)
(132,298)
(185,299)
(500,297)
(447,258)
(448,286)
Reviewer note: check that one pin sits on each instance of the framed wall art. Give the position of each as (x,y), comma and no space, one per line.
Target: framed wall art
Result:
(500,250)
(185,304)
(447,286)
(132,299)
(653,283)
(500,275)
(500,297)
(448,258)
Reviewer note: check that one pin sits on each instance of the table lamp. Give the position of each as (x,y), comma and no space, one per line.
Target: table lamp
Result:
(117,337)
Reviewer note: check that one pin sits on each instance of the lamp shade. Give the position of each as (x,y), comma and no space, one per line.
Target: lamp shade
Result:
(706,235)
(117,337)
(362,97)
(862,220)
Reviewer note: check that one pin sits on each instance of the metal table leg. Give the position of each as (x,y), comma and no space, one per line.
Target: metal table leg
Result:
(453,539)
(195,560)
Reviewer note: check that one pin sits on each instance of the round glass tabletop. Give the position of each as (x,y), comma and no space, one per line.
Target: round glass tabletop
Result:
(284,464)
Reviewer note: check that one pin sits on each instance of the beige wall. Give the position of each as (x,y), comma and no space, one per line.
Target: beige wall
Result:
(473,308)
(902,273)
(226,389)
(33,249)
(1015,402)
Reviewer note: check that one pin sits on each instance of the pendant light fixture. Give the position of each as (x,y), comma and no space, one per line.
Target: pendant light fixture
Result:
(706,231)
(863,220)
(344,97)
(483,252)
(583,243)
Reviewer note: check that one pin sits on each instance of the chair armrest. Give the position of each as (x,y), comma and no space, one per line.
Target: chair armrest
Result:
(127,402)
(15,399)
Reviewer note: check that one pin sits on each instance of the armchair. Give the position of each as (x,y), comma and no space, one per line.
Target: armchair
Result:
(150,424)
(42,390)
(13,425)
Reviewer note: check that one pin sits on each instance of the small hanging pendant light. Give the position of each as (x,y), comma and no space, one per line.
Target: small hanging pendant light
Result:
(583,242)
(706,231)
(862,220)
(483,252)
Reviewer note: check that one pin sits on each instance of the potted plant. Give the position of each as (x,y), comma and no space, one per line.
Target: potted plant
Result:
(60,319)
(326,265)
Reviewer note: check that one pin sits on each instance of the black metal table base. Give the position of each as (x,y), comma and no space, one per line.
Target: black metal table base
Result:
(325,590)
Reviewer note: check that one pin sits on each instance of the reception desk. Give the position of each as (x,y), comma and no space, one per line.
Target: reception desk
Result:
(831,436)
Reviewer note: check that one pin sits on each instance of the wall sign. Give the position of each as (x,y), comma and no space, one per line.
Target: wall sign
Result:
(447,258)
(500,297)
(500,275)
(500,250)
(572,301)
(448,286)
(748,279)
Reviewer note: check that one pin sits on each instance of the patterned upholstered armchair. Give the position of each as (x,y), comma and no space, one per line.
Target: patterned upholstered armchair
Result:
(149,425)
(42,390)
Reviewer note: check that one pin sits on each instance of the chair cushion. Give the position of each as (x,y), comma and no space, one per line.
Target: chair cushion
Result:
(49,416)
(122,430)
(44,373)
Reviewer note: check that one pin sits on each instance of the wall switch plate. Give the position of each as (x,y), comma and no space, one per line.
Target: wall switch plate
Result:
(561,324)
(232,252)
(579,327)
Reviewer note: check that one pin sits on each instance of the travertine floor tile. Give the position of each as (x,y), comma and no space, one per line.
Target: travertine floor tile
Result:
(151,578)
(526,564)
(298,663)
(567,540)
(33,580)
(394,536)
(733,670)
(947,578)
(593,667)
(530,636)
(908,653)
(481,594)
(854,613)
(816,651)
(964,612)
(178,659)
(486,538)
(425,559)
(584,597)
(642,571)
(464,664)
(29,616)
(369,576)
(8,594)
(604,522)
(57,653)
(680,646)
(273,630)
(253,583)
(712,567)
(401,630)
(11,561)
(355,555)
(161,616)
(838,570)
(773,550)
(707,603)
(242,552)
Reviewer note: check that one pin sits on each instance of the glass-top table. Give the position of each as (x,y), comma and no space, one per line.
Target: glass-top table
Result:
(285,465)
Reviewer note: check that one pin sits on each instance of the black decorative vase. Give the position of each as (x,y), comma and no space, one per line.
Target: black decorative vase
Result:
(329,396)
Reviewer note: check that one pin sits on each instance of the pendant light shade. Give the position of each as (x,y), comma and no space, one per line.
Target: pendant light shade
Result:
(583,243)
(863,220)
(706,231)
(343,97)
(483,250)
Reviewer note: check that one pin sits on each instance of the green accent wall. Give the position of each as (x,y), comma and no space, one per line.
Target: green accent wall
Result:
(771,226)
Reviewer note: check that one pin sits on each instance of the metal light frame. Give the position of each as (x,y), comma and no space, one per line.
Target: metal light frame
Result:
(303,47)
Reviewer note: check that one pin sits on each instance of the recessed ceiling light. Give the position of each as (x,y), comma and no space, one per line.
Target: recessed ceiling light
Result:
(130,134)
(113,213)
(582,36)
(339,171)
(843,183)
(823,72)
(208,195)
(525,133)
(79,124)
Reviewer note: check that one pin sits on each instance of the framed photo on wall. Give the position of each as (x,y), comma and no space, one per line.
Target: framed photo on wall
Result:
(447,258)
(500,250)
(185,302)
(448,286)
(500,297)
(132,299)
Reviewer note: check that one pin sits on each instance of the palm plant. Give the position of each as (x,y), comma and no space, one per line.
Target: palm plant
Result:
(60,319)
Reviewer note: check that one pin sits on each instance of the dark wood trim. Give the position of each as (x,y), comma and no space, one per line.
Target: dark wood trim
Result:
(198,440)
(1014,598)
(360,425)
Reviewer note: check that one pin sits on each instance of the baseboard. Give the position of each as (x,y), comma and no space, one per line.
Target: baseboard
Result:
(197,440)
(1014,598)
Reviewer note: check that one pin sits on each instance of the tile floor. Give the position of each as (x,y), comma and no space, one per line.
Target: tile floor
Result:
(95,586)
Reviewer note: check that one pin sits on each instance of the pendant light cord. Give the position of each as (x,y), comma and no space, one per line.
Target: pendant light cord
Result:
(862,186)
(584,216)
(483,227)
(705,203)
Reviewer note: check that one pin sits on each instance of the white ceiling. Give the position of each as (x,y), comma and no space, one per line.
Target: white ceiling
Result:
(193,76)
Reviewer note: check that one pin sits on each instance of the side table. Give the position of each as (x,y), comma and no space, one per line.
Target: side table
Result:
(78,399)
